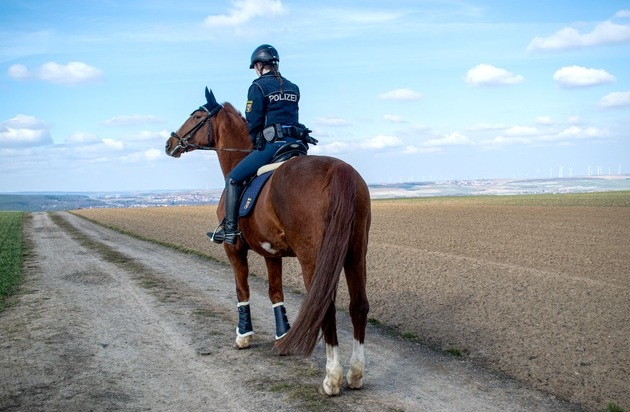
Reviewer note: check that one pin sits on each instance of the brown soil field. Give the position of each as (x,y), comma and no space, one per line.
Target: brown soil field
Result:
(537,288)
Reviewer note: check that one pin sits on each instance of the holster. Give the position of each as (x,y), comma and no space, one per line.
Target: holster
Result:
(275,132)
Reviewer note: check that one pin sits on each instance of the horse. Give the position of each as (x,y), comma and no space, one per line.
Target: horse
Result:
(314,208)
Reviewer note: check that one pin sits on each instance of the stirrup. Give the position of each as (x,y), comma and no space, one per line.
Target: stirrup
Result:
(218,236)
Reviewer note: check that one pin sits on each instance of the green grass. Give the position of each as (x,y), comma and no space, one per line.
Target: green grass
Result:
(453,352)
(411,336)
(613,407)
(11,251)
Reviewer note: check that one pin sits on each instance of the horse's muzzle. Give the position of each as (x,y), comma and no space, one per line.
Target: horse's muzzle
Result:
(172,149)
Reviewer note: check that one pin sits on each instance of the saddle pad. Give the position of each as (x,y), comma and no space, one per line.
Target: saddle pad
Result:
(268,168)
(251,194)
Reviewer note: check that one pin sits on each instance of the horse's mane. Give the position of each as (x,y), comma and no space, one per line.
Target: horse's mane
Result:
(233,112)
(233,123)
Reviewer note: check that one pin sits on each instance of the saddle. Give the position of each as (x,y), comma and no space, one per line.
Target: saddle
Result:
(254,185)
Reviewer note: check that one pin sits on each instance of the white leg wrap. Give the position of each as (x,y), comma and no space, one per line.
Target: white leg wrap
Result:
(357,366)
(334,371)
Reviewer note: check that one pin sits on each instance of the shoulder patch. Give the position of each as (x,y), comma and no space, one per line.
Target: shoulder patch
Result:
(248,106)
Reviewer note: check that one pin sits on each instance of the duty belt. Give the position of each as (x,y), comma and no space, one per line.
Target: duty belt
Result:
(274,132)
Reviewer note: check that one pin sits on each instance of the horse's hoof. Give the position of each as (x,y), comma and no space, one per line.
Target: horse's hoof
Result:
(327,390)
(243,342)
(356,385)
(354,380)
(322,391)
(235,346)
(278,351)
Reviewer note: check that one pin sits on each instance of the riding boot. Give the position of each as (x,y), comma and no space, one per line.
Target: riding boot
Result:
(229,233)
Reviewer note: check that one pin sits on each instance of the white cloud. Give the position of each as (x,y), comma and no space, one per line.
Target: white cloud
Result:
(114,144)
(451,139)
(82,139)
(365,17)
(394,118)
(88,143)
(487,126)
(505,141)
(546,120)
(616,99)
(559,136)
(370,144)
(334,148)
(575,132)
(132,120)
(331,121)
(147,136)
(380,142)
(521,131)
(71,73)
(605,32)
(18,72)
(410,150)
(153,154)
(24,131)
(488,75)
(577,76)
(244,11)
(401,95)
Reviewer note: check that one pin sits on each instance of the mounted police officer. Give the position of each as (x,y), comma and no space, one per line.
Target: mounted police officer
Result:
(272,121)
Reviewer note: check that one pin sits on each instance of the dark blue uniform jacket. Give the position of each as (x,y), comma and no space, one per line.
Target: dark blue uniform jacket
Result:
(269,102)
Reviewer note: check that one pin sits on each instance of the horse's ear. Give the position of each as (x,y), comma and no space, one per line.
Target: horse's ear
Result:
(212,101)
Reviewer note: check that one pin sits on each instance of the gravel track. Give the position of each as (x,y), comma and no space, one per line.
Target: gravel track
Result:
(105,321)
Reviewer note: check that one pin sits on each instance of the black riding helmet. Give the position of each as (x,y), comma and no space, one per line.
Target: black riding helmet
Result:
(264,54)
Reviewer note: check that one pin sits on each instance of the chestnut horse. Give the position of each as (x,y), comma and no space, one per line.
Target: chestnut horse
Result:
(315,208)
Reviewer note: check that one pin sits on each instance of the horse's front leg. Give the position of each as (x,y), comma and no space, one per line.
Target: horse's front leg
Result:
(276,295)
(238,259)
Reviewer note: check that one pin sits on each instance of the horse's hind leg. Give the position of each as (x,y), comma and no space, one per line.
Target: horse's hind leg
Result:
(334,372)
(355,270)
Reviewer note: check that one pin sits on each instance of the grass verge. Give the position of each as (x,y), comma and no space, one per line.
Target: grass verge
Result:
(613,407)
(11,253)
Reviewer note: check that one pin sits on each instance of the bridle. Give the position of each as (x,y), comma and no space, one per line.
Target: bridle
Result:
(184,144)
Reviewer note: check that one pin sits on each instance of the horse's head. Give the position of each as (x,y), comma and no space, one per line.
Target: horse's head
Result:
(196,132)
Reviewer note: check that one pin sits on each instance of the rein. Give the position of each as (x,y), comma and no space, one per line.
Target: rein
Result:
(186,146)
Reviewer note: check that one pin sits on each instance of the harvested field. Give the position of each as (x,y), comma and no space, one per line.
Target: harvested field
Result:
(536,287)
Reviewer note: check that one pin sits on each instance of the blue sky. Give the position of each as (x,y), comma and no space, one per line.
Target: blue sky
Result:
(402,90)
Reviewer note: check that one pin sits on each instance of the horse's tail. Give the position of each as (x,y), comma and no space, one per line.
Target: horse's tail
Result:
(303,335)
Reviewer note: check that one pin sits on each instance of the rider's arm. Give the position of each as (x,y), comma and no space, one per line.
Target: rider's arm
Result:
(255,110)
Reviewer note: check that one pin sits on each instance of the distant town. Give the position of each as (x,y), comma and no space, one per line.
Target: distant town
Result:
(54,201)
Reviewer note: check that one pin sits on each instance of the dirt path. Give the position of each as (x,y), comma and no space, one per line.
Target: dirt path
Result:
(108,322)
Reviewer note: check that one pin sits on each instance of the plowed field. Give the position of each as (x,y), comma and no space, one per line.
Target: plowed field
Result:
(537,288)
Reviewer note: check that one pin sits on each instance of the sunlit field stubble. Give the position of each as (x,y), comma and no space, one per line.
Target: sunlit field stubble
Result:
(536,287)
